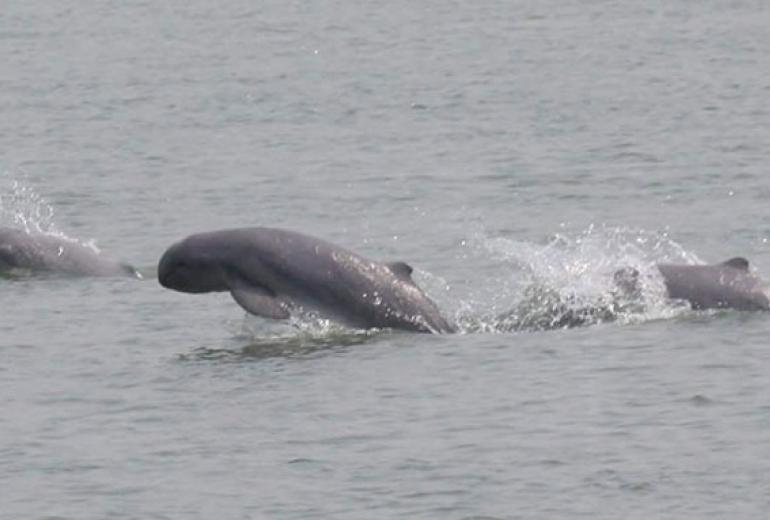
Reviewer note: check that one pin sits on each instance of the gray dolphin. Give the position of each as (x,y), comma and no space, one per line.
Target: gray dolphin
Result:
(42,252)
(726,285)
(270,272)
(719,286)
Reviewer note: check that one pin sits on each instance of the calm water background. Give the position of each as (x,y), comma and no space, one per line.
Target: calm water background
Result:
(489,144)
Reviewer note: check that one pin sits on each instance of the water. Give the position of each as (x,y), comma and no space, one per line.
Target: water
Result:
(491,145)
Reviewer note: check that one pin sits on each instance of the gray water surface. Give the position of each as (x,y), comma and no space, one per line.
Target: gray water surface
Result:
(492,145)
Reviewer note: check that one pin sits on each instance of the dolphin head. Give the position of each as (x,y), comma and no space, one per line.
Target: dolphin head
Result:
(188,266)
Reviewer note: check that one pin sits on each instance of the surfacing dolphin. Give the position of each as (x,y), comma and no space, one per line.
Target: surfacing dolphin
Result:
(272,272)
(46,253)
(727,285)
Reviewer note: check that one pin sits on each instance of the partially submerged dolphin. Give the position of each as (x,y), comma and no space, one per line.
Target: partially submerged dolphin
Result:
(727,285)
(272,272)
(42,252)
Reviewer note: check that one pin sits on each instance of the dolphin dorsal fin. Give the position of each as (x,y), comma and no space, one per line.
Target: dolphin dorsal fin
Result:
(737,263)
(402,270)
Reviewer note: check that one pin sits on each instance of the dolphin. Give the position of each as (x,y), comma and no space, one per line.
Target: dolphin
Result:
(726,285)
(42,252)
(272,272)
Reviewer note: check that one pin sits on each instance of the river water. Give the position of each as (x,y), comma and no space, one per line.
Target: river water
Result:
(496,147)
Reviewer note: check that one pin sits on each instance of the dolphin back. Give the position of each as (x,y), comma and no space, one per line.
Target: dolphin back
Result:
(341,284)
(729,284)
(40,252)
(271,272)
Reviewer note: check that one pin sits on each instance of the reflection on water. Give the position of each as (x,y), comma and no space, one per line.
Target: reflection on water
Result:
(303,345)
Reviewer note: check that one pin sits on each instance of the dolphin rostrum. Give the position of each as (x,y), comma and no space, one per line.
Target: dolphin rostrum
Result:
(43,252)
(272,272)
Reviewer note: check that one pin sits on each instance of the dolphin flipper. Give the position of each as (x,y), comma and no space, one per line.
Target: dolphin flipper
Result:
(256,299)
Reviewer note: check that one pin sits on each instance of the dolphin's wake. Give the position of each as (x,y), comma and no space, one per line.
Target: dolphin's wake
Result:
(566,281)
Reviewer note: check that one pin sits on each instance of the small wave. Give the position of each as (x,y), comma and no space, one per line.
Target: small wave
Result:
(300,338)
(701,400)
